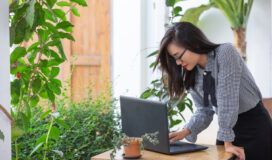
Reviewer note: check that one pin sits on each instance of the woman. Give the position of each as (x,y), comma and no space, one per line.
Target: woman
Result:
(219,82)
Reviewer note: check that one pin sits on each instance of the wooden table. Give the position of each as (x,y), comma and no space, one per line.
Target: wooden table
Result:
(212,153)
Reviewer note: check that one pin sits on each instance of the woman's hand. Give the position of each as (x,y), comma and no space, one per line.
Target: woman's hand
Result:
(238,151)
(178,135)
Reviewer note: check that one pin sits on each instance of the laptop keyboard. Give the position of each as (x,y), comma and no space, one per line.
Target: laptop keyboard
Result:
(178,143)
(184,147)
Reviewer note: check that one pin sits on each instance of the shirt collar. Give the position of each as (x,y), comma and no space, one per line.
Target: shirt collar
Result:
(210,63)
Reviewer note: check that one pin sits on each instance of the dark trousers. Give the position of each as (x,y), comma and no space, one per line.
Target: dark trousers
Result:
(253,131)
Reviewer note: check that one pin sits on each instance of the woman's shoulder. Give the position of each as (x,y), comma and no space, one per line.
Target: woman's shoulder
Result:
(227,51)
(225,46)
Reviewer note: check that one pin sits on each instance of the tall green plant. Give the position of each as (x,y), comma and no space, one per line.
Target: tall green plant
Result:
(35,67)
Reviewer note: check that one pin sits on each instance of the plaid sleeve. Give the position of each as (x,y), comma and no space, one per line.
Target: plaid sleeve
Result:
(229,76)
(201,118)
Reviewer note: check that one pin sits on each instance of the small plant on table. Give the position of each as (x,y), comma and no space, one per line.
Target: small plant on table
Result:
(132,146)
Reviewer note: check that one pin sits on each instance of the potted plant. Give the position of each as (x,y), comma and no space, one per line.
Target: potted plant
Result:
(132,146)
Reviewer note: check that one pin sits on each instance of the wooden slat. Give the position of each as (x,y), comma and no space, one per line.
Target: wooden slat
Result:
(86,82)
(91,49)
(87,60)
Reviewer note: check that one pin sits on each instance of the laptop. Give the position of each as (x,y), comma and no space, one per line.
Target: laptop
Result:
(145,116)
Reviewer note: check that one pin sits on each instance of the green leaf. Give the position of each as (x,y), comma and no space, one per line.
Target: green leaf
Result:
(45,114)
(80,2)
(63,3)
(43,93)
(190,105)
(54,133)
(51,3)
(2,137)
(39,17)
(54,62)
(45,70)
(229,14)
(36,85)
(60,48)
(60,13)
(14,5)
(181,106)
(43,63)
(42,139)
(33,46)
(57,82)
(34,100)
(56,56)
(16,132)
(146,94)
(51,27)
(176,122)
(153,54)
(170,3)
(50,94)
(20,31)
(17,53)
(64,35)
(75,11)
(192,15)
(61,123)
(64,25)
(32,55)
(54,72)
(37,147)
(30,13)
(25,120)
(53,86)
(152,65)
(12,35)
(49,15)
(15,91)
(43,35)
(176,10)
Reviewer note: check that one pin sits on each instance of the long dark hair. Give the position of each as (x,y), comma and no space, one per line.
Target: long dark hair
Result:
(190,37)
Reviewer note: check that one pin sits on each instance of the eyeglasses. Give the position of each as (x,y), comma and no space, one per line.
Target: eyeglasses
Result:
(181,55)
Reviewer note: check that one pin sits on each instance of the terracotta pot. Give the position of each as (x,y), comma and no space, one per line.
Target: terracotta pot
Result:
(133,149)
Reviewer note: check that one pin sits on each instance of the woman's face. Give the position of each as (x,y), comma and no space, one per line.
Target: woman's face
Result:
(184,57)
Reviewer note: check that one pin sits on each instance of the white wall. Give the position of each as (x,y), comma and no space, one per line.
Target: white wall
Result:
(126,47)
(5,147)
(137,27)
(154,17)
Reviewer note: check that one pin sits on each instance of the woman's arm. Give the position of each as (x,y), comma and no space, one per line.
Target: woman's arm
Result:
(228,88)
(229,77)
(200,120)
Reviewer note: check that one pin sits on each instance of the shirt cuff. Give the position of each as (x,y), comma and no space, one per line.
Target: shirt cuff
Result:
(192,137)
(225,134)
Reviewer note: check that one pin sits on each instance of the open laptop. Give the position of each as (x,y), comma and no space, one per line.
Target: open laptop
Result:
(144,116)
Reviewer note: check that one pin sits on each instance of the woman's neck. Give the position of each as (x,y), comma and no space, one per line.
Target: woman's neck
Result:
(203,60)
